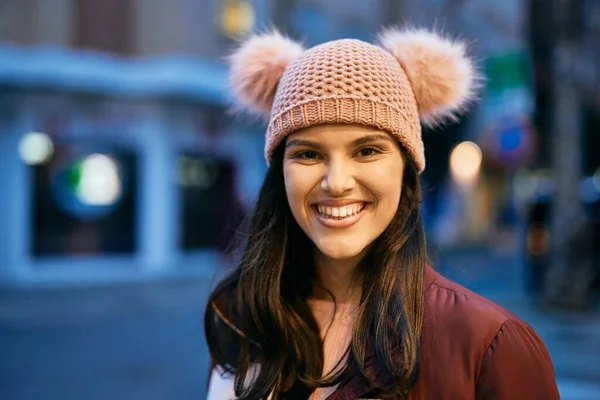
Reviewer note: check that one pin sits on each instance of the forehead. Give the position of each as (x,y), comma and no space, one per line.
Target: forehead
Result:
(338,133)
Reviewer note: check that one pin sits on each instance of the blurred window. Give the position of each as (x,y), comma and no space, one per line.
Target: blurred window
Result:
(83,198)
(210,209)
(104,25)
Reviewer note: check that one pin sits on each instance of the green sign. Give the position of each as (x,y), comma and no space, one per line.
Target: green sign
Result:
(507,71)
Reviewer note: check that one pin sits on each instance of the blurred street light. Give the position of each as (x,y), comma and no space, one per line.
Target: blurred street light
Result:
(465,162)
(237,18)
(99,182)
(36,148)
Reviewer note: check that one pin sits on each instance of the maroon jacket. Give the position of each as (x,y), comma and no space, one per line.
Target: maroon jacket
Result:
(471,348)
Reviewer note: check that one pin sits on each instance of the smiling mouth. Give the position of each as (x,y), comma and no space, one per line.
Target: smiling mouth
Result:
(340,213)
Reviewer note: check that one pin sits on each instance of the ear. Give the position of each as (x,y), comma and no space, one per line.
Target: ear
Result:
(443,78)
(256,68)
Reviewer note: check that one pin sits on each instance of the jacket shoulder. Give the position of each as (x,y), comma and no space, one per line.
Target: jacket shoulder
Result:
(471,321)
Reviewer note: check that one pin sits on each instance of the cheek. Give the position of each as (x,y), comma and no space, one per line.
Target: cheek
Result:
(297,188)
(385,182)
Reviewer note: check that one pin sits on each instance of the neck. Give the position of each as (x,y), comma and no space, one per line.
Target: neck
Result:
(340,278)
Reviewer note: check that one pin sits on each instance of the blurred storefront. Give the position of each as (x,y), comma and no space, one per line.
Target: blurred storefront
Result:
(120,156)
(138,91)
(118,169)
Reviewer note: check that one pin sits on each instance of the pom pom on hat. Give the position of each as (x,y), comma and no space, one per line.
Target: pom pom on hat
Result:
(257,66)
(442,77)
(413,77)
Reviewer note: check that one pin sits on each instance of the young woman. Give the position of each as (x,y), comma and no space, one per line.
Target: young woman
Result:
(333,297)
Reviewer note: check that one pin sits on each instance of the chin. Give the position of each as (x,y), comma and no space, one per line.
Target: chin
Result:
(340,251)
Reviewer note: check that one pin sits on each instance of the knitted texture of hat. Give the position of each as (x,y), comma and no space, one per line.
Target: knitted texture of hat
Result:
(412,77)
(346,81)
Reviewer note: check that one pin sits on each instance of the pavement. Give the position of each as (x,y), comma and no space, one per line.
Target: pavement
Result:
(146,341)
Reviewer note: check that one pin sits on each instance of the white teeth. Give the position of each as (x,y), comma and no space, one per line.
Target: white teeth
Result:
(340,212)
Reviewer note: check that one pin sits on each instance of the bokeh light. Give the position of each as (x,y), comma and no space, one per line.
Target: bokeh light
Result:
(36,148)
(99,182)
(237,18)
(465,162)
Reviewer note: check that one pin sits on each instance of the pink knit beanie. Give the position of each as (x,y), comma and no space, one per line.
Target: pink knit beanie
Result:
(413,76)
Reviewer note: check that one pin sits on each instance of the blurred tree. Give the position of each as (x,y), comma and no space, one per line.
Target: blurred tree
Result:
(569,278)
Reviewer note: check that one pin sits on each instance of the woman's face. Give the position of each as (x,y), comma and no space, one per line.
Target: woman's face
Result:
(343,185)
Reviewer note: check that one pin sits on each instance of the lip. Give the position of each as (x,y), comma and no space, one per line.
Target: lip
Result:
(338,203)
(339,223)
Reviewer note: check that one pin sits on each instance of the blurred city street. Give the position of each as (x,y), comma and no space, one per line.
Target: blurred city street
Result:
(146,342)
(126,171)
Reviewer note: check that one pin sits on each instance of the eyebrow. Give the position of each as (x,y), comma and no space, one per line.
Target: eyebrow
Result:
(371,138)
(301,142)
(358,142)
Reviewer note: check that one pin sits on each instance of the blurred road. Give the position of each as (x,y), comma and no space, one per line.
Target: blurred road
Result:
(146,342)
(136,343)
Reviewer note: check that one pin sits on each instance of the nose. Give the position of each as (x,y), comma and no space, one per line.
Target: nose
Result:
(338,179)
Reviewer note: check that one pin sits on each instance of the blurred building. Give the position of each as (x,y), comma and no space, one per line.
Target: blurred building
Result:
(116,141)
(566,53)
(126,27)
(137,90)
(201,28)
(118,152)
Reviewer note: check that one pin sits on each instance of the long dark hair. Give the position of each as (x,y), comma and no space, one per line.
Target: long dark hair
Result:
(259,313)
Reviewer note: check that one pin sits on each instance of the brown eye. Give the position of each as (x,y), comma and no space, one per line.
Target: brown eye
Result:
(307,155)
(368,152)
